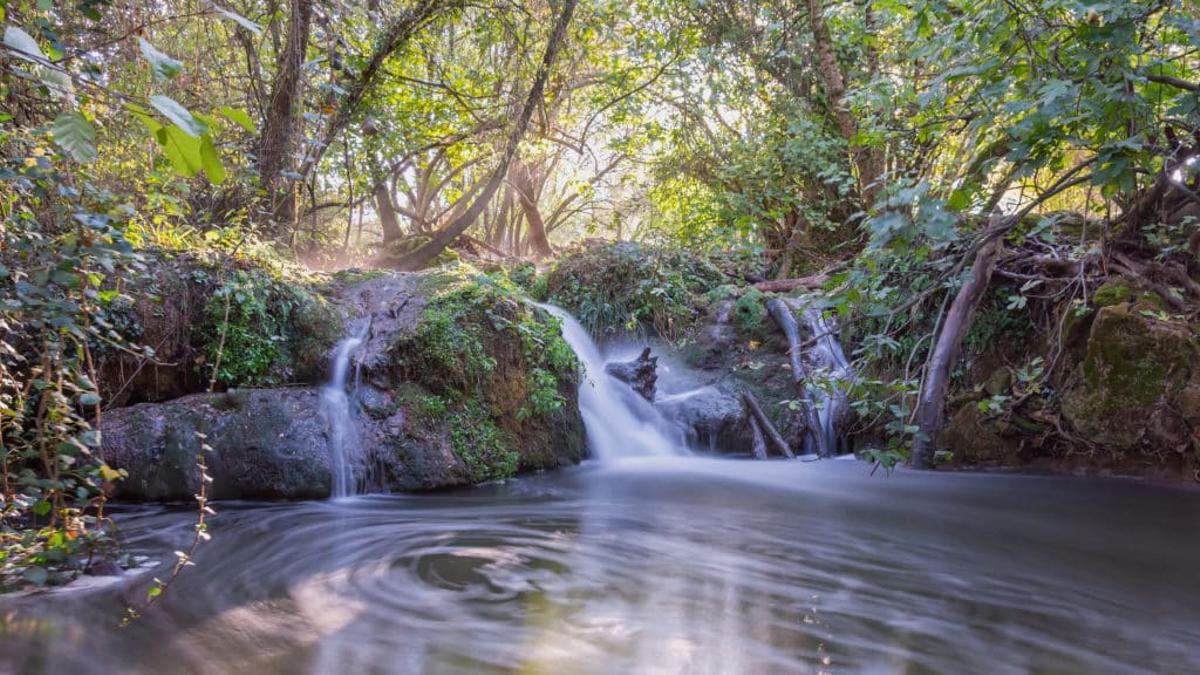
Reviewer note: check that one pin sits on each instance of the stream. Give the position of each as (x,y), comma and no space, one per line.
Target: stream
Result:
(658,565)
(649,560)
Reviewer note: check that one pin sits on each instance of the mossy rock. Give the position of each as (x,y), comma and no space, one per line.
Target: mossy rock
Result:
(494,376)
(278,329)
(627,288)
(1135,368)
(750,313)
(1113,292)
(974,439)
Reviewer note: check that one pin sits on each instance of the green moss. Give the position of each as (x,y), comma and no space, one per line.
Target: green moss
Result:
(481,445)
(475,325)
(1133,362)
(722,292)
(750,311)
(1112,292)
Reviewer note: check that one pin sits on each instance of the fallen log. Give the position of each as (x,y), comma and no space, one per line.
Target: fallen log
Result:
(758,443)
(784,285)
(765,425)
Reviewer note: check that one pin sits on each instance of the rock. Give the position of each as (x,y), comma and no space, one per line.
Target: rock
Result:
(714,415)
(975,439)
(716,337)
(176,310)
(267,443)
(641,373)
(1135,383)
(459,383)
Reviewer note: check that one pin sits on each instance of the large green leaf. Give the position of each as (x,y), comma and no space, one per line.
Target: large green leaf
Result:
(211,161)
(179,115)
(164,67)
(240,118)
(181,148)
(239,19)
(24,44)
(76,136)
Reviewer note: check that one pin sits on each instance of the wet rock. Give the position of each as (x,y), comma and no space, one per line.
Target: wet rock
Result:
(641,373)
(715,416)
(267,443)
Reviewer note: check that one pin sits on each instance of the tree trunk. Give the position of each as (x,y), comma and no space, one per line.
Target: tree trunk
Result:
(522,181)
(276,146)
(867,161)
(423,255)
(945,354)
(387,213)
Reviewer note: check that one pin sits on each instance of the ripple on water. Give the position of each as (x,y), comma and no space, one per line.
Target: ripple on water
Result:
(649,567)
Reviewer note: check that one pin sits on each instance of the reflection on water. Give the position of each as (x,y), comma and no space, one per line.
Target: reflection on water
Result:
(664,565)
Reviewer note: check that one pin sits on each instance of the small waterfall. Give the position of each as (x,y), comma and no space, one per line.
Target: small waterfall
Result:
(619,422)
(335,407)
(826,358)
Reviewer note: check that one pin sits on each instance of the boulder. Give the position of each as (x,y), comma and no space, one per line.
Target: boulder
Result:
(457,381)
(1138,383)
(714,415)
(268,443)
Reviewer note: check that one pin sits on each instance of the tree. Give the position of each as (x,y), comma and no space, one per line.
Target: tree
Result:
(427,252)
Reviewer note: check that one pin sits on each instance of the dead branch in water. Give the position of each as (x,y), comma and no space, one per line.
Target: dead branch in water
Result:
(765,425)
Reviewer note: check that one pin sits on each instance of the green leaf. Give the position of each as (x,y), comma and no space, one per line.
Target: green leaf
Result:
(179,115)
(90,398)
(75,136)
(240,118)
(26,47)
(211,161)
(239,20)
(164,67)
(182,150)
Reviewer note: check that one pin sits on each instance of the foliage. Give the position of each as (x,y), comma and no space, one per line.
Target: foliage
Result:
(465,331)
(632,288)
(481,445)
(63,260)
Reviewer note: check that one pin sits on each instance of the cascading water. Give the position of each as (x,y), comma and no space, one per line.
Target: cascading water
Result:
(619,422)
(827,358)
(344,442)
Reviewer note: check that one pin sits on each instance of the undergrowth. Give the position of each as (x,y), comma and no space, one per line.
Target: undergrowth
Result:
(630,288)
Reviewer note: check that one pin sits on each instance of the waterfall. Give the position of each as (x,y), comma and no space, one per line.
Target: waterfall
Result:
(344,442)
(825,357)
(619,422)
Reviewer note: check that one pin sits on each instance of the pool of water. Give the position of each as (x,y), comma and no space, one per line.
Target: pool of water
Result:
(658,565)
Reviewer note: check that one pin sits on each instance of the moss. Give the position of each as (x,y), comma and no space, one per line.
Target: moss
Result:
(750,312)
(975,439)
(1113,292)
(481,445)
(1133,363)
(722,292)
(492,362)
(264,331)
